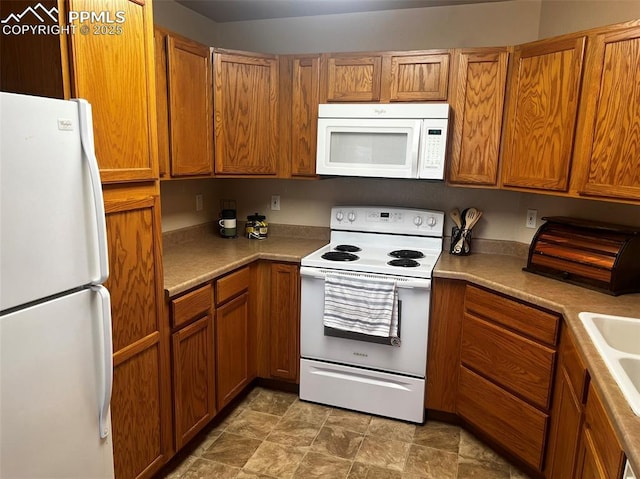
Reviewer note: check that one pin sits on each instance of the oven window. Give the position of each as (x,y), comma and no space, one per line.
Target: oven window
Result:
(374,148)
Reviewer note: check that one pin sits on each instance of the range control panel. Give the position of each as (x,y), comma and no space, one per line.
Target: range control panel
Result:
(388,220)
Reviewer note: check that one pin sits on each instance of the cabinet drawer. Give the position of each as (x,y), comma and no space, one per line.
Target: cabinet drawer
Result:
(516,363)
(525,319)
(232,285)
(512,423)
(191,305)
(576,372)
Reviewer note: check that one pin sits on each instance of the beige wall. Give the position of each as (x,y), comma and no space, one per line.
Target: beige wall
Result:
(486,24)
(309,202)
(180,19)
(565,16)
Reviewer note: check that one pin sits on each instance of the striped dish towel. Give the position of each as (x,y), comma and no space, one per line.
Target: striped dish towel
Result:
(361,304)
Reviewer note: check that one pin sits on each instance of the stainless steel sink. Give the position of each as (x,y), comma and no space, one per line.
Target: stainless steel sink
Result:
(617,339)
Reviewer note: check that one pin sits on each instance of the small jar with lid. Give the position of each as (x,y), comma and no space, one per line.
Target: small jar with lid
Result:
(256,227)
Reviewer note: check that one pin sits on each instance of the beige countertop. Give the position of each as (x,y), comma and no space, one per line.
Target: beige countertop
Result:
(203,258)
(504,274)
(190,263)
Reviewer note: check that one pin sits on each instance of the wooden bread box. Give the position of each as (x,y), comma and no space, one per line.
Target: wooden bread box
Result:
(600,256)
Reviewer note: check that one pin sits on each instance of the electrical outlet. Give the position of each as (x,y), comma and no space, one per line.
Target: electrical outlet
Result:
(199,202)
(275,202)
(531,218)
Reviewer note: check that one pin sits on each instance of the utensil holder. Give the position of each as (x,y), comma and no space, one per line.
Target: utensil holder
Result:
(463,238)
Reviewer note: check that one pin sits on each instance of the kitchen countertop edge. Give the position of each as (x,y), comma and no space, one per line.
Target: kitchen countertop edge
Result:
(191,263)
(503,274)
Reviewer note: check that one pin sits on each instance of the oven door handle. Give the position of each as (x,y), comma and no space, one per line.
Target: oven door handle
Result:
(401,282)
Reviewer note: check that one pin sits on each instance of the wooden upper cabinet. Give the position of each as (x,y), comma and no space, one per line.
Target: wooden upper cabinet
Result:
(162,99)
(608,143)
(246,113)
(120,88)
(542,107)
(184,104)
(351,77)
(385,76)
(190,107)
(305,91)
(33,64)
(477,98)
(417,77)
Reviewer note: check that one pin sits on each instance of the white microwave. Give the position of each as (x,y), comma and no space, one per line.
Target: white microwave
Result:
(407,140)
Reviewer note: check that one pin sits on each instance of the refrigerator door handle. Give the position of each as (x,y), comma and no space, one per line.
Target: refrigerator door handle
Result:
(88,147)
(107,352)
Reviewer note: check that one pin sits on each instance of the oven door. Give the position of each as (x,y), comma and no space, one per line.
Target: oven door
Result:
(410,358)
(386,148)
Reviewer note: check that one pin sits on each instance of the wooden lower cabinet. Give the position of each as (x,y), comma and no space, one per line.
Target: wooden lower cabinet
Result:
(567,418)
(284,321)
(235,336)
(140,405)
(600,455)
(445,330)
(514,424)
(507,360)
(193,363)
(232,348)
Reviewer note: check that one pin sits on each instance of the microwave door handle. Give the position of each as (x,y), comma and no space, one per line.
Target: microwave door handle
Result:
(415,149)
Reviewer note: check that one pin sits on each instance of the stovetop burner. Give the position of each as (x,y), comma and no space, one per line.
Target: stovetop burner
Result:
(406,253)
(349,248)
(339,256)
(404,263)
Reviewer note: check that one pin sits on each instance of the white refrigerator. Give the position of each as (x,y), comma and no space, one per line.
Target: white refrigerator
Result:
(55,318)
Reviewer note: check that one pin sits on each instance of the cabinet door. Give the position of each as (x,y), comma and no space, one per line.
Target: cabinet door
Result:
(419,77)
(565,429)
(120,87)
(477,99)
(284,321)
(443,352)
(608,147)
(246,113)
(162,99)
(232,348)
(305,91)
(33,64)
(140,405)
(589,466)
(193,378)
(541,115)
(566,414)
(600,453)
(351,77)
(190,107)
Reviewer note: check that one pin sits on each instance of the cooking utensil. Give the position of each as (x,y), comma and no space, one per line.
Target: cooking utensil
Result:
(471,221)
(455,216)
(471,217)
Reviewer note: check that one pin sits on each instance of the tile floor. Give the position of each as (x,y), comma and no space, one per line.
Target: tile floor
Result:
(272,434)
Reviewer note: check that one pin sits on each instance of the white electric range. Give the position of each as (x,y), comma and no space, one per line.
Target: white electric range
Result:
(361,373)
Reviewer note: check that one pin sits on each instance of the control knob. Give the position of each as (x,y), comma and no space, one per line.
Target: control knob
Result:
(432,221)
(339,215)
(351,216)
(417,220)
